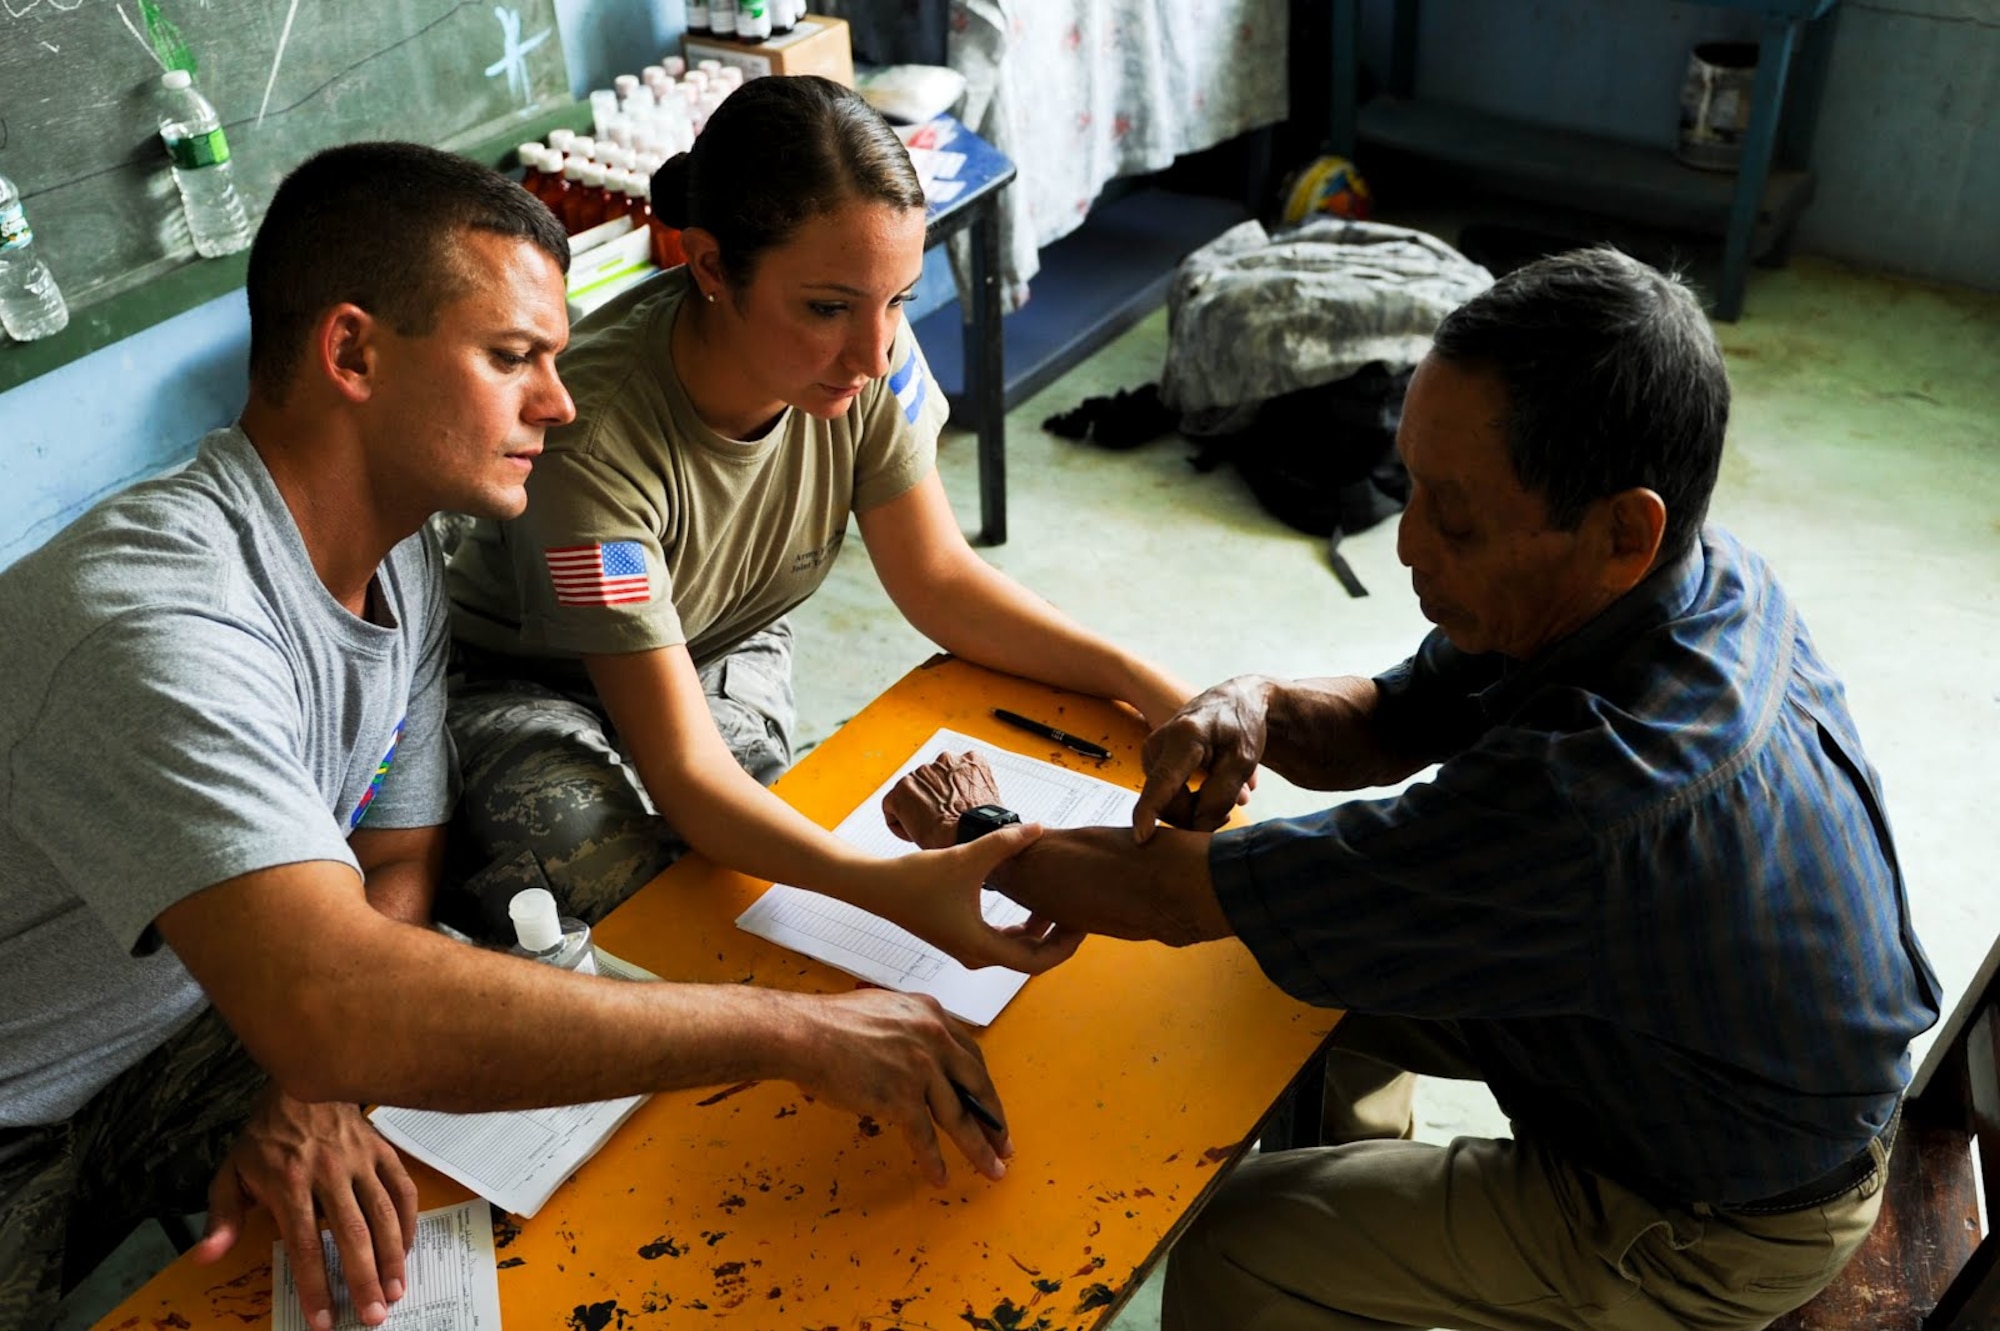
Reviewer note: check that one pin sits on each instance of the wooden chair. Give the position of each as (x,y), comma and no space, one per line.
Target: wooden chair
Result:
(1927,1267)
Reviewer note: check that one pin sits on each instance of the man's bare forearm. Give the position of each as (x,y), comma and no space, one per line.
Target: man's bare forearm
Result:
(478,1030)
(340,1003)
(1097,879)
(1327,734)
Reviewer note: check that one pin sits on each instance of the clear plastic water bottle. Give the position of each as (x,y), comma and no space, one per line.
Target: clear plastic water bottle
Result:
(31,305)
(200,154)
(545,936)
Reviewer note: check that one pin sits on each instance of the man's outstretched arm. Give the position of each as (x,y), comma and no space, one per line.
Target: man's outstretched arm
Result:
(1080,880)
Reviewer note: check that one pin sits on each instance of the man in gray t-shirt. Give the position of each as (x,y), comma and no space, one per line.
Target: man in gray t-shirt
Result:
(236,669)
(222,810)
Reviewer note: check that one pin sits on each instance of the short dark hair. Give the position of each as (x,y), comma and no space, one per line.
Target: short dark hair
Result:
(1613,378)
(375,225)
(778,151)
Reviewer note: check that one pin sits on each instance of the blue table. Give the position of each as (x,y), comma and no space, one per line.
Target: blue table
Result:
(974,203)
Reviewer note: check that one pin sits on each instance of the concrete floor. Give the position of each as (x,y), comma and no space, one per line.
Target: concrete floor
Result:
(1864,463)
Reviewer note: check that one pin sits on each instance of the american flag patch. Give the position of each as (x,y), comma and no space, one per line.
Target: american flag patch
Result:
(911,385)
(613,573)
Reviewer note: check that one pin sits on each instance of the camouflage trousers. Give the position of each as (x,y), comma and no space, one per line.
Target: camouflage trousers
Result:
(147,1145)
(552,799)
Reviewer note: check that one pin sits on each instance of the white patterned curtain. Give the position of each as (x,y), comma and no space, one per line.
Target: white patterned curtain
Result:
(1079,92)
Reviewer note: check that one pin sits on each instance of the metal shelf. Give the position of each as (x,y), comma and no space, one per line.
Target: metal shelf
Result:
(1565,166)
(1753,210)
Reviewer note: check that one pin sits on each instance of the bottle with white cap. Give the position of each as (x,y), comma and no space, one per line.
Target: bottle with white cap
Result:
(753,20)
(604,108)
(541,934)
(199,152)
(31,305)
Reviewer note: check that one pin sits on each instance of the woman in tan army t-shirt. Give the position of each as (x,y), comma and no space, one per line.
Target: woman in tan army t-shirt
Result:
(731,414)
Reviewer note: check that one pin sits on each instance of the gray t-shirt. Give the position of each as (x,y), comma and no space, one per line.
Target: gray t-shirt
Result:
(183,702)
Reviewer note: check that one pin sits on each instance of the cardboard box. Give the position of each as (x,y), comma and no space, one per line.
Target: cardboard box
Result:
(818,45)
(605,260)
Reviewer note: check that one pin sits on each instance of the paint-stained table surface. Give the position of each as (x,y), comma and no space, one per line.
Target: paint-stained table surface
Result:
(1132,1076)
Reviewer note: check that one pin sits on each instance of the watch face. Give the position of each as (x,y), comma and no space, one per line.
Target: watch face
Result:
(984,818)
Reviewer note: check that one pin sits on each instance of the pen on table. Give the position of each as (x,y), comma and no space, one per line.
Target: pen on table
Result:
(978,1110)
(1046,731)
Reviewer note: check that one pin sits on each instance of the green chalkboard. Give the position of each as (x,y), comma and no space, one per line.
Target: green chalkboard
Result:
(79,129)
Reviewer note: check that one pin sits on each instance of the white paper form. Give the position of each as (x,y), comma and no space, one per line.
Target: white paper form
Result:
(870,948)
(450,1278)
(937,172)
(514,1158)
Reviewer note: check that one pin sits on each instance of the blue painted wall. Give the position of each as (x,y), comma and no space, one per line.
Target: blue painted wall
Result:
(1907,142)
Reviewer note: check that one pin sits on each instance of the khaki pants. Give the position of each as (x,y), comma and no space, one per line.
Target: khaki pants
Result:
(1480,1233)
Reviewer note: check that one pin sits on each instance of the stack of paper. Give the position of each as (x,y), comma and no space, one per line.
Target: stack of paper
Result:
(871,948)
(449,1280)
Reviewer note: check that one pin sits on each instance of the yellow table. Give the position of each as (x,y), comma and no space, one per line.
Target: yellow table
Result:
(1133,1076)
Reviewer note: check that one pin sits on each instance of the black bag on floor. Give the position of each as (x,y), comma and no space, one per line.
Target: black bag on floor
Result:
(1323,460)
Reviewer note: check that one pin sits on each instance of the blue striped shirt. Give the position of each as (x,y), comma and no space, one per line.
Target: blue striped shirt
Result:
(1651,880)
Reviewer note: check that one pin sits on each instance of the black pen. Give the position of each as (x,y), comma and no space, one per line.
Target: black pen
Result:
(978,1110)
(1068,741)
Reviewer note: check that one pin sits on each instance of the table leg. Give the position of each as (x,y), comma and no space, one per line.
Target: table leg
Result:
(1346,93)
(986,374)
(1774,55)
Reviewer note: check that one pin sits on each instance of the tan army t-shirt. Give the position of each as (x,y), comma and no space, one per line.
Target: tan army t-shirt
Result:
(647,529)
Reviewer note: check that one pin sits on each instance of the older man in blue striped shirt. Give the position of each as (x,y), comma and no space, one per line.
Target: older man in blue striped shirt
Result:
(1649,894)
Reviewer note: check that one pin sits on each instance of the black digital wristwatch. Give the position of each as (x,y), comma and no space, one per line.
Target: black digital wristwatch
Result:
(977,821)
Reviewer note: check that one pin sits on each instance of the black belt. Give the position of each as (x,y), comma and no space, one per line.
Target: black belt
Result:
(1837,1182)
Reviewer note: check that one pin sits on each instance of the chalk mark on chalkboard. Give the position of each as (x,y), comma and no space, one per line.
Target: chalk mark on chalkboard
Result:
(276,60)
(137,37)
(149,153)
(514,58)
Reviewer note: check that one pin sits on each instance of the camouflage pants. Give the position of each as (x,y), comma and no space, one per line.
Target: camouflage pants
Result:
(146,1145)
(552,799)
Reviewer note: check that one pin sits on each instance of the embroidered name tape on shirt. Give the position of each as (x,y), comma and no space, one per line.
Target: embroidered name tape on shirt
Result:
(910,385)
(613,573)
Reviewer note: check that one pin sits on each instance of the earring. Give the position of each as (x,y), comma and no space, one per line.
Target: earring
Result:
(710,295)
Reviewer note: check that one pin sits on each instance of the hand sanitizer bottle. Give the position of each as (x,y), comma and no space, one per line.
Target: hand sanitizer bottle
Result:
(543,935)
